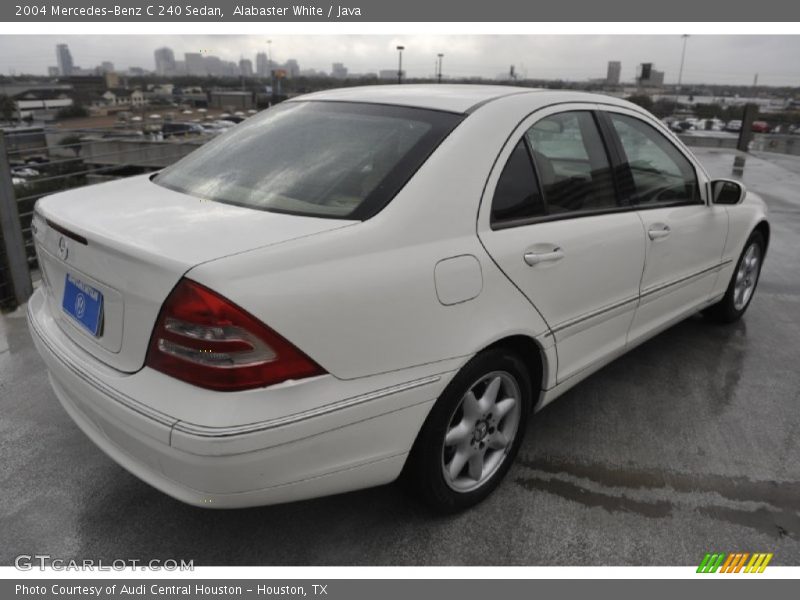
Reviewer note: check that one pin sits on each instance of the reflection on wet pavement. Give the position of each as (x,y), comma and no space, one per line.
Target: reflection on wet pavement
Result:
(768,506)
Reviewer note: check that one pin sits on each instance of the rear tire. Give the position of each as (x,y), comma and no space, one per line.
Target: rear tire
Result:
(473,432)
(742,286)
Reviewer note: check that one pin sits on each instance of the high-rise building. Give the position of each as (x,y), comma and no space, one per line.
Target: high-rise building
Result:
(106,66)
(214,65)
(292,68)
(165,61)
(646,75)
(229,68)
(262,64)
(338,70)
(614,72)
(65,64)
(112,79)
(195,65)
(246,67)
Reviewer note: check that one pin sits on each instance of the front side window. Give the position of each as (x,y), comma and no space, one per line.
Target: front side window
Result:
(320,159)
(572,163)
(661,173)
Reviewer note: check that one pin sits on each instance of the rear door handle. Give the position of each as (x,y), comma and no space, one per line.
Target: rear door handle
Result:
(658,232)
(534,258)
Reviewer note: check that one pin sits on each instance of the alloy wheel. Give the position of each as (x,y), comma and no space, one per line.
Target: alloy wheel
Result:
(481,431)
(747,276)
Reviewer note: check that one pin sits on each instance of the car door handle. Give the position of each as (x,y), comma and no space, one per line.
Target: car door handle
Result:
(657,233)
(534,258)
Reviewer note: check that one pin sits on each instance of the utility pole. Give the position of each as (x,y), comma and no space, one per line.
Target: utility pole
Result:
(400,63)
(685,37)
(271,69)
(439,74)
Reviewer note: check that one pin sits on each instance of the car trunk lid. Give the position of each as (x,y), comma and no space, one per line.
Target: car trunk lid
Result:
(119,248)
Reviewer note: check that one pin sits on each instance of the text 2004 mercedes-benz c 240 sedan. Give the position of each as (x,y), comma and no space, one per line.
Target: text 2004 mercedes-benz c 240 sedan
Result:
(361,283)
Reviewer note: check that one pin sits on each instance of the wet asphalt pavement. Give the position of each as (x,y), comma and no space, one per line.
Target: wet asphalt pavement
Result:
(689,443)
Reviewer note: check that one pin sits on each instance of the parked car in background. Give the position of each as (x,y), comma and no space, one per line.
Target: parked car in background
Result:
(219,124)
(681,126)
(734,126)
(24,172)
(170,129)
(786,128)
(365,283)
(760,127)
(709,125)
(717,125)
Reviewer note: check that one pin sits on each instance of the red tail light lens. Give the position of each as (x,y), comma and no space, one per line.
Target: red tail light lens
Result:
(206,340)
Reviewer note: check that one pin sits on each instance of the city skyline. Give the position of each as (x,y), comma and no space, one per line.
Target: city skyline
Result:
(731,60)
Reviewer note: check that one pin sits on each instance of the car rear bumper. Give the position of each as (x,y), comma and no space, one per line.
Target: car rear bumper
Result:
(363,443)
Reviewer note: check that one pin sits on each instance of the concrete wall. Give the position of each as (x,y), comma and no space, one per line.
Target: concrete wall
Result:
(772,142)
(137,153)
(779,143)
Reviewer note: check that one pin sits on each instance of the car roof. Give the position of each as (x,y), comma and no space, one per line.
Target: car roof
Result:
(447,97)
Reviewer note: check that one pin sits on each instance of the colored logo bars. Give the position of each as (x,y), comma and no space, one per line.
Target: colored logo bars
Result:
(735,562)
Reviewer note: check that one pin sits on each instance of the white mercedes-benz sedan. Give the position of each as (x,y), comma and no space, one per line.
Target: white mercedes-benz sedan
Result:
(358,284)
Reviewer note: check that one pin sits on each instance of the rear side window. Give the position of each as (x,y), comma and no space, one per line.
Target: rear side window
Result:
(572,163)
(661,173)
(517,195)
(320,159)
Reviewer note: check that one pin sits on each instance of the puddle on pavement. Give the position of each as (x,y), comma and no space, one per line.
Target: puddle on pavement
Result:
(571,491)
(626,490)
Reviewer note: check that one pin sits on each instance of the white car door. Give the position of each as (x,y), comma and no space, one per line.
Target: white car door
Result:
(551,221)
(685,233)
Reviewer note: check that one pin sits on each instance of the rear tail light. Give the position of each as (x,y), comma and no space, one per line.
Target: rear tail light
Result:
(206,340)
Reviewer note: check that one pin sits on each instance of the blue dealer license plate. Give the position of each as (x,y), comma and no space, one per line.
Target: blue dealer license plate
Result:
(83,303)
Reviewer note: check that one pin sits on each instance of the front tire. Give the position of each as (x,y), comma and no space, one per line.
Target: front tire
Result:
(743,283)
(473,432)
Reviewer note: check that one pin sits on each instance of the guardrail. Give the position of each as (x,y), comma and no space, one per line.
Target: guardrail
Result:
(64,159)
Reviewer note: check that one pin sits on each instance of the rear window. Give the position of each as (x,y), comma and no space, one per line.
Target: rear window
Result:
(320,159)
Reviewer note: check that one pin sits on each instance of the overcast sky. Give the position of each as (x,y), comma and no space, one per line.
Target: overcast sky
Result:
(709,58)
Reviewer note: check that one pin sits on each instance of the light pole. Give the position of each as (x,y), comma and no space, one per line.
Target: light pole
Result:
(271,71)
(439,75)
(685,37)
(400,63)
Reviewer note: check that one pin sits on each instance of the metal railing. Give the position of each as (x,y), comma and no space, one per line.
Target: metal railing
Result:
(36,170)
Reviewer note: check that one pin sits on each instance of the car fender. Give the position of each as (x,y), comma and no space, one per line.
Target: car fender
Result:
(360,306)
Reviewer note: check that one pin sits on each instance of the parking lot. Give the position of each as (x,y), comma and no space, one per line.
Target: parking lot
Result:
(688,444)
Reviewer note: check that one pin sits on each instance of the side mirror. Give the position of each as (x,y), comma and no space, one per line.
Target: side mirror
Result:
(727,191)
